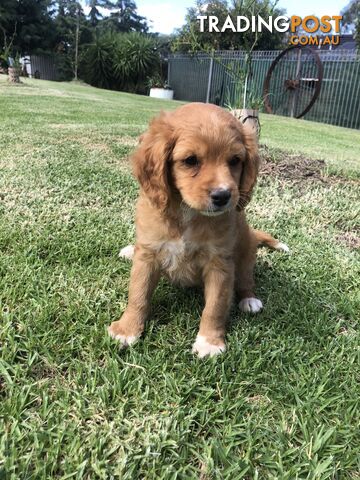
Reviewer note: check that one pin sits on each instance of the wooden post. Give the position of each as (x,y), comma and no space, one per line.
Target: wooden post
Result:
(14,75)
(250,117)
(294,93)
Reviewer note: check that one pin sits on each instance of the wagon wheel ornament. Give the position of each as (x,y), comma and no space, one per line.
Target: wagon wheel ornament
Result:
(293,82)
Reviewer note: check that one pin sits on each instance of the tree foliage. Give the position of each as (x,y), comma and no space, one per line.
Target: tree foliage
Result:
(95,15)
(124,17)
(69,16)
(49,25)
(61,27)
(29,23)
(351,16)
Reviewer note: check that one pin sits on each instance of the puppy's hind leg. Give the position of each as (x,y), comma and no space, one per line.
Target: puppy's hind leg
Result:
(265,239)
(245,257)
(127,252)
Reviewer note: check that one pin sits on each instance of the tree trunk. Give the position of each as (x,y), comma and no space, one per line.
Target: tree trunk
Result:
(77,41)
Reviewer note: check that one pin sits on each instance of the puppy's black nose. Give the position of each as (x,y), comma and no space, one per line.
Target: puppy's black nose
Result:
(220,196)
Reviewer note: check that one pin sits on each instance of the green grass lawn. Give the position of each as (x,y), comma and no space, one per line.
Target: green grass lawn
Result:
(281,403)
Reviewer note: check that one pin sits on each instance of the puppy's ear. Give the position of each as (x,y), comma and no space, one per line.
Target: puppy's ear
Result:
(250,167)
(151,160)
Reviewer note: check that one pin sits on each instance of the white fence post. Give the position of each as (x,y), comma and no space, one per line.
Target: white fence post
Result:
(211,67)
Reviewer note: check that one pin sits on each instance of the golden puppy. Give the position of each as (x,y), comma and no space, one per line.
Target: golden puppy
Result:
(197,167)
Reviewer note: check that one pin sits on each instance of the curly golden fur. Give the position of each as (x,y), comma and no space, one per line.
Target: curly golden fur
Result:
(197,167)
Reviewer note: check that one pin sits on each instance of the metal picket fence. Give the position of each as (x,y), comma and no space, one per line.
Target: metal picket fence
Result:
(211,78)
(43,66)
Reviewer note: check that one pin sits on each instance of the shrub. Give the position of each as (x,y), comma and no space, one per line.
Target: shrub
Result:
(135,59)
(120,61)
(97,66)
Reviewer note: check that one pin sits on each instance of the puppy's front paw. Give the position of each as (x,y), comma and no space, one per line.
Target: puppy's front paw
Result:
(119,333)
(252,305)
(127,252)
(203,348)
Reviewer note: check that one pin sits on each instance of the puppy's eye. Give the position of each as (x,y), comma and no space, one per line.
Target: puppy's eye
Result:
(191,161)
(234,161)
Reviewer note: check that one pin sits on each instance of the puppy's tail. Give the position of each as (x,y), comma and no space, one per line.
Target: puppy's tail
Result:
(265,239)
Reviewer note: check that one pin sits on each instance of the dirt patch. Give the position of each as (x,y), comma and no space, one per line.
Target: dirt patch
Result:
(291,167)
(259,400)
(43,372)
(350,239)
(297,169)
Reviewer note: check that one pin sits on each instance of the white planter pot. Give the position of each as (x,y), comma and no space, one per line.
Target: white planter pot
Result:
(163,93)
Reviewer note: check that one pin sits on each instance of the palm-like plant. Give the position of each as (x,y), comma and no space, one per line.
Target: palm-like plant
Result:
(120,61)
(97,62)
(135,59)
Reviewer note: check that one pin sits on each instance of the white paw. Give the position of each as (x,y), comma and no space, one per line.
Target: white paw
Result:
(127,252)
(203,348)
(252,305)
(124,340)
(282,247)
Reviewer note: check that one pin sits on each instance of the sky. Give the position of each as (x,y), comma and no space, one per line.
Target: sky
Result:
(167,15)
